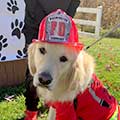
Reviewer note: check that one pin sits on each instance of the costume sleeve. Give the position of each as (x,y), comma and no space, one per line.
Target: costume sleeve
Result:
(65,111)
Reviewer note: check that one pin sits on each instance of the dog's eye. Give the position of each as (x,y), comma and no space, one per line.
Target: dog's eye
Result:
(42,50)
(63,59)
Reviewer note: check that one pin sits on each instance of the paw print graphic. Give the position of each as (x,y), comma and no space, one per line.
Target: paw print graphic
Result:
(2,58)
(12,6)
(3,42)
(21,54)
(17,28)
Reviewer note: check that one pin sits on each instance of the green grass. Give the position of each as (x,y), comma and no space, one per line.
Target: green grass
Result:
(107,57)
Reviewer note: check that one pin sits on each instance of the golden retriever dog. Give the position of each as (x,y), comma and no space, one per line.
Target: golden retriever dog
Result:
(64,75)
(60,72)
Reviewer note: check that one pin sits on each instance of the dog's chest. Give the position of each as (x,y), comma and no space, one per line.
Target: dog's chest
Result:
(94,104)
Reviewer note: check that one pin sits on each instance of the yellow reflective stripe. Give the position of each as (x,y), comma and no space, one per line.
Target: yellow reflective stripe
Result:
(115,115)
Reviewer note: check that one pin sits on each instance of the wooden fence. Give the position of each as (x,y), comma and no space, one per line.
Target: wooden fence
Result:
(96,23)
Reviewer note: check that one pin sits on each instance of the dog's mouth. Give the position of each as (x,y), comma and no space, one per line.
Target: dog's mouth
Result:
(44,86)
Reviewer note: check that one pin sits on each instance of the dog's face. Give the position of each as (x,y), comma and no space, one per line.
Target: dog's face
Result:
(58,68)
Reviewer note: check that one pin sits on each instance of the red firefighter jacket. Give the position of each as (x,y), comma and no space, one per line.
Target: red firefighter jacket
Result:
(95,103)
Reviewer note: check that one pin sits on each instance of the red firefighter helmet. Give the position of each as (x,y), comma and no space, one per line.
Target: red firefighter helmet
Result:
(58,28)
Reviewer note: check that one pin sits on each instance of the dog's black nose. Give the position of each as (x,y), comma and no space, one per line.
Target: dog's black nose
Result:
(45,78)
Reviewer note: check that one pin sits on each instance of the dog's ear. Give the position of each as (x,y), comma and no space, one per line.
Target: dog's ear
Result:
(31,63)
(84,68)
(88,63)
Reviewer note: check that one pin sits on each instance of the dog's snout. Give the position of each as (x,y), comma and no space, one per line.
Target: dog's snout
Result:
(45,78)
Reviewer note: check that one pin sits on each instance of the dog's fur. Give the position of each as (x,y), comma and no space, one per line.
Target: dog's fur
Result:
(69,77)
